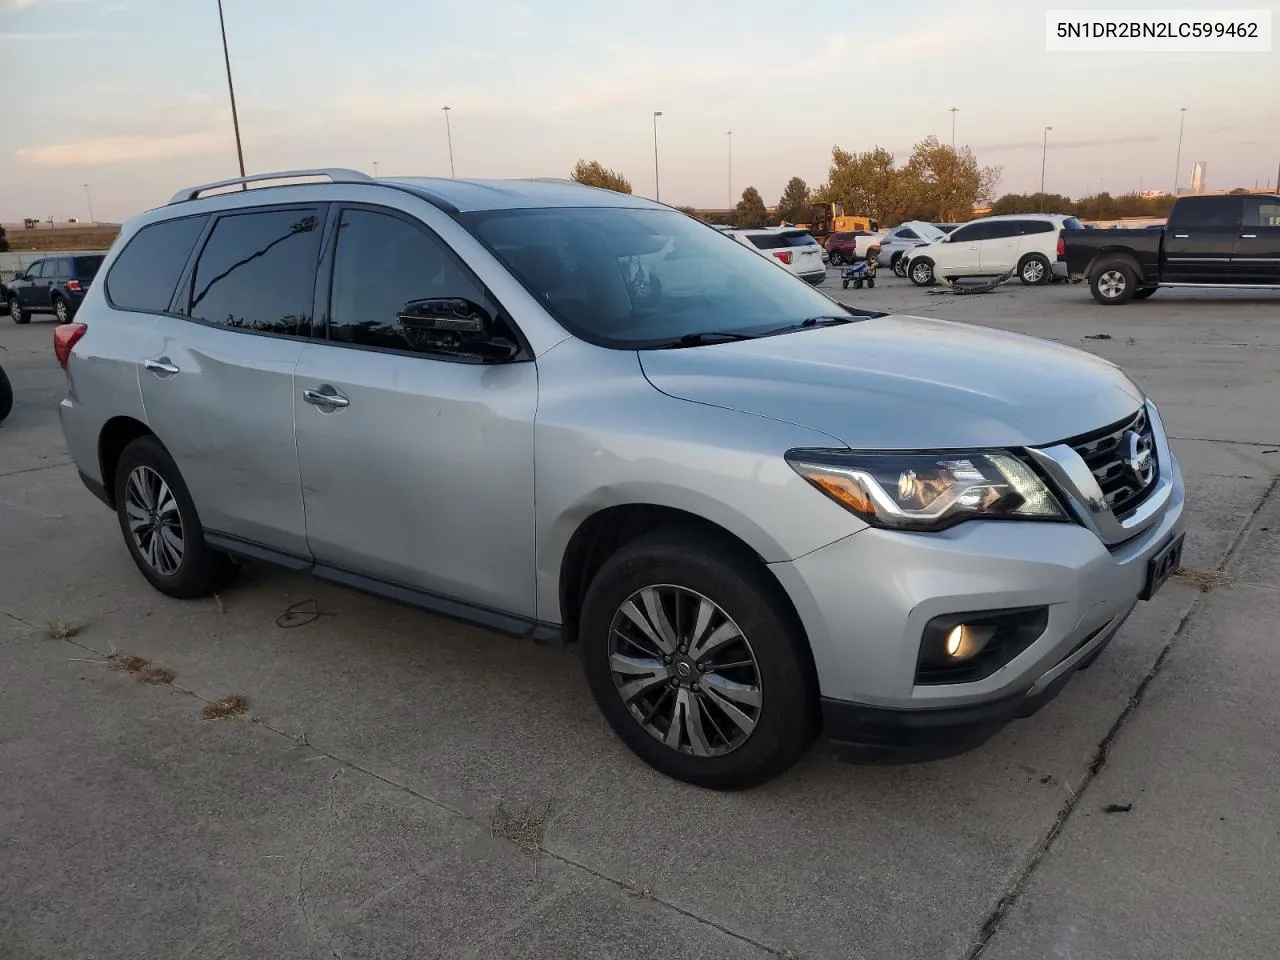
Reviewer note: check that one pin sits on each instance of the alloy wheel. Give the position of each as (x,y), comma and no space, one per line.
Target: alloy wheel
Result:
(1033,271)
(154,520)
(1112,284)
(922,272)
(60,311)
(685,670)
(15,310)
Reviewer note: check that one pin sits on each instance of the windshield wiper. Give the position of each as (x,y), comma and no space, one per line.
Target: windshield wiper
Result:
(809,323)
(706,337)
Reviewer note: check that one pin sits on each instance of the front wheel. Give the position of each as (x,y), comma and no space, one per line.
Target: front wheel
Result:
(696,662)
(1034,270)
(161,527)
(844,284)
(6,395)
(871,282)
(836,259)
(1113,282)
(16,313)
(921,272)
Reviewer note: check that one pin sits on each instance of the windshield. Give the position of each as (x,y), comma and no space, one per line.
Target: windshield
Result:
(635,279)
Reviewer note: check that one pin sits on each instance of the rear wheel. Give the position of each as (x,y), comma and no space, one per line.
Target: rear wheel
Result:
(1113,282)
(6,395)
(61,311)
(696,663)
(921,272)
(1033,270)
(871,282)
(836,258)
(16,313)
(161,527)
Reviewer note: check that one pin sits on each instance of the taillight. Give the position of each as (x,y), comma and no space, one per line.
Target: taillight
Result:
(1062,246)
(783,255)
(73,286)
(65,337)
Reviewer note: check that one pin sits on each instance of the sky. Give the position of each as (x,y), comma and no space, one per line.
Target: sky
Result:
(130,96)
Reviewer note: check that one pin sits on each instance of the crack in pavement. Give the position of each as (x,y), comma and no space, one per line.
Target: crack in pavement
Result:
(1013,892)
(47,466)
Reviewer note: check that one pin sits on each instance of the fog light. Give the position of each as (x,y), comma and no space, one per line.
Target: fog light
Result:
(964,641)
(964,647)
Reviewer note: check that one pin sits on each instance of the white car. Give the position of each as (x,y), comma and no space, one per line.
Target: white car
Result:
(895,244)
(1029,244)
(789,247)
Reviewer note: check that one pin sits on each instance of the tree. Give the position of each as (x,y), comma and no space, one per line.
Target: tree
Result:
(4,241)
(750,211)
(591,173)
(947,183)
(794,205)
(690,212)
(867,184)
(1032,203)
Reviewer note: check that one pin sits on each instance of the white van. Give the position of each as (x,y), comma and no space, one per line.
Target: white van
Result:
(1028,243)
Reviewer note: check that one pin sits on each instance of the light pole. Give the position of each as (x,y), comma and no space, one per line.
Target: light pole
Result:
(89,199)
(448,132)
(953,128)
(657,192)
(730,171)
(1044,154)
(1177,164)
(375,168)
(235,119)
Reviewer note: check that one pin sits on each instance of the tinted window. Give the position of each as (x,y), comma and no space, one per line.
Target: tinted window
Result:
(381,264)
(1026,227)
(64,269)
(1000,229)
(1206,213)
(643,278)
(1261,212)
(86,267)
(971,232)
(257,272)
(145,274)
(1071,223)
(906,233)
(800,240)
(767,241)
(34,271)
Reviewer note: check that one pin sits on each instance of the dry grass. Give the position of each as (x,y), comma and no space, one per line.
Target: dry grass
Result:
(130,663)
(525,828)
(73,237)
(232,706)
(1205,580)
(154,674)
(60,629)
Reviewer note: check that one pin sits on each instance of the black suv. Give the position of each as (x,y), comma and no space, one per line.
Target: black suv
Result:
(53,285)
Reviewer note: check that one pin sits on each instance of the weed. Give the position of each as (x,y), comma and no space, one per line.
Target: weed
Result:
(231,706)
(130,663)
(60,629)
(154,674)
(525,828)
(1206,580)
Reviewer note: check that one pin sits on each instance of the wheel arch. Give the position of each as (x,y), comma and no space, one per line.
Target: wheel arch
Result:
(116,434)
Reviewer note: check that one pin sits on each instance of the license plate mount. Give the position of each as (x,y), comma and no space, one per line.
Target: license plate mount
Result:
(1163,564)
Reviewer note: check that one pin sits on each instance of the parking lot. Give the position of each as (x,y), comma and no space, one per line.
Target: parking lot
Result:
(402,786)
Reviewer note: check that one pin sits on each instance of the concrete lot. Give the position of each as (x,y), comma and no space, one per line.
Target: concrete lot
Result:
(406,787)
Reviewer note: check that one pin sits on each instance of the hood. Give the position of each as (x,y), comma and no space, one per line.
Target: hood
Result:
(903,382)
(927,231)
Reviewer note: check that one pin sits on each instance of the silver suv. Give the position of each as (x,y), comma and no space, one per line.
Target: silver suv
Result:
(570,414)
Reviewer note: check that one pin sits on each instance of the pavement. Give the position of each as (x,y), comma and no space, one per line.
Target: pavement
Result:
(403,786)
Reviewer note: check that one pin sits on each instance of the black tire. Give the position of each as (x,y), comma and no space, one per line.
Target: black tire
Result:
(1143,292)
(62,310)
(1113,282)
(844,284)
(788,720)
(6,395)
(871,282)
(1034,270)
(857,284)
(16,313)
(899,265)
(835,258)
(920,270)
(201,570)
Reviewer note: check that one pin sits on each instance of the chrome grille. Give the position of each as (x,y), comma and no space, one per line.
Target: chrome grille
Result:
(1104,453)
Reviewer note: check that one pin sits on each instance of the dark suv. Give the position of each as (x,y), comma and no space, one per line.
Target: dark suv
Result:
(53,285)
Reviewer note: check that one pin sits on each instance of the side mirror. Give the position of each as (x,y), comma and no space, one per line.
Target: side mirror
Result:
(445,323)
(19,275)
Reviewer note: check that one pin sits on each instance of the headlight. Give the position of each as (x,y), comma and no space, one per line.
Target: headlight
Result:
(928,491)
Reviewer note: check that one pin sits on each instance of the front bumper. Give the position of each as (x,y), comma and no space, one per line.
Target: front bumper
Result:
(864,601)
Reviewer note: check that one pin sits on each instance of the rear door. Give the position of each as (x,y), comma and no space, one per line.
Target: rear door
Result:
(1200,240)
(420,470)
(1257,252)
(217,373)
(999,249)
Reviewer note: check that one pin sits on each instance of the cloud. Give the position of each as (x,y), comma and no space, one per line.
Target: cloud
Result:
(40,36)
(107,150)
(1070,144)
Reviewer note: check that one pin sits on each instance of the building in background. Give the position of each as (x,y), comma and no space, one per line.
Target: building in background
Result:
(1197,176)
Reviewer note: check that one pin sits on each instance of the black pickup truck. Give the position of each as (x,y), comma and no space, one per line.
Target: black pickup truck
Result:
(1231,241)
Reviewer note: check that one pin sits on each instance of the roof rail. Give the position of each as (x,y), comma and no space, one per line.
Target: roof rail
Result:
(335,175)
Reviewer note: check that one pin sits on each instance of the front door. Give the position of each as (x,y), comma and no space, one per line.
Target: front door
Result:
(217,384)
(34,294)
(416,464)
(1200,240)
(960,253)
(1257,253)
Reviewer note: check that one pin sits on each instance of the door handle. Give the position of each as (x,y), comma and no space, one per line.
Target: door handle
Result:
(162,367)
(1180,236)
(325,397)
(1248,236)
